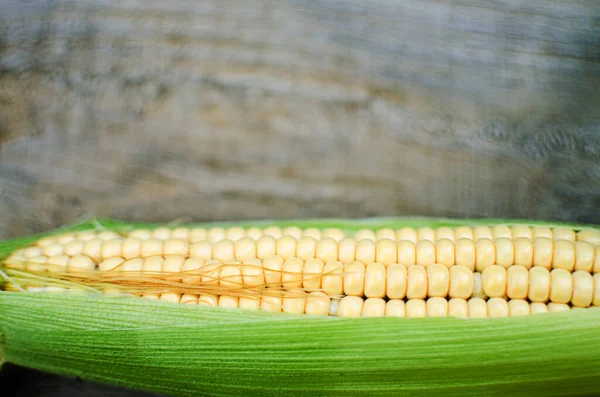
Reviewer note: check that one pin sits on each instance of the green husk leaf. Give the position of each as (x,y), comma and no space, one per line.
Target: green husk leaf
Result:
(183,350)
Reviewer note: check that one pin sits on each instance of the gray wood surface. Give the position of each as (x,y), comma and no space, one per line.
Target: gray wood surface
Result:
(234,109)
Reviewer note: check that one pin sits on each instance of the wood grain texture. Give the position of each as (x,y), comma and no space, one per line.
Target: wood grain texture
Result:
(237,109)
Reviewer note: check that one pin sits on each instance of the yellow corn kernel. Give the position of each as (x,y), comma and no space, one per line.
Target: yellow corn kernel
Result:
(425,233)
(564,255)
(485,250)
(350,306)
(477,307)
(202,250)
(386,251)
(482,232)
(563,233)
(286,247)
(396,281)
(589,236)
(293,231)
(273,267)
(444,233)
(538,307)
(365,251)
(583,289)
(523,252)
(407,253)
(346,250)
(505,252)
(151,247)
(354,278)
(373,307)
(437,307)
(385,234)
(215,234)
(244,248)
(254,233)
(521,231)
(313,274)
(458,307)
(417,282)
(445,252)
(318,304)
(497,307)
(494,281)
(461,282)
(235,233)
(252,272)
(197,234)
(161,233)
(153,265)
(517,282)
(266,246)
(542,252)
(438,280)
(327,249)
(307,248)
(175,246)
(584,256)
(395,308)
(224,250)
(271,303)
(416,308)
(335,234)
(465,253)
(294,302)
(561,286)
(426,254)
(407,233)
(332,281)
(140,234)
(114,263)
(182,233)
(312,232)
(375,280)
(292,273)
(364,234)
(539,284)
(463,232)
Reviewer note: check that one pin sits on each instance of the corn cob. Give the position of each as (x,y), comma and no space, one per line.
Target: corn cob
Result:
(464,271)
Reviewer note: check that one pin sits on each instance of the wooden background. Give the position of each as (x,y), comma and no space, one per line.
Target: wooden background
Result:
(235,109)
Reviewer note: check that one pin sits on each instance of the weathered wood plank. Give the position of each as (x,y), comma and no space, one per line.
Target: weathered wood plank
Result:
(236,109)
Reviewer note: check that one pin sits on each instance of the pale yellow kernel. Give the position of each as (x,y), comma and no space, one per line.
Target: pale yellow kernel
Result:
(293,231)
(584,256)
(364,234)
(202,250)
(494,281)
(74,248)
(542,252)
(235,233)
(407,253)
(365,251)
(173,264)
(131,266)
(191,270)
(306,248)
(416,308)
(161,233)
(596,268)
(312,232)
(564,255)
(286,247)
(563,233)
(132,248)
(313,274)
(249,303)
(425,233)
(86,235)
(523,252)
(46,241)
(294,302)
(505,252)
(485,251)
(252,273)
(189,299)
(63,239)
(151,296)
(151,247)
(461,282)
(395,308)
(36,263)
(230,276)
(373,307)
(438,280)
(54,249)
(174,246)
(108,235)
(181,233)
(93,249)
(445,252)
(478,286)
(273,266)
(197,234)
(482,232)
(477,307)
(397,277)
(589,236)
(114,263)
(347,250)
(583,289)
(465,253)
(153,265)
(458,307)
(501,232)
(224,250)
(271,303)
(57,262)
(112,248)
(542,232)
(465,232)
(538,307)
(208,300)
(517,282)
(437,307)
(497,307)
(445,233)
(332,281)
(141,234)
(292,273)
(273,231)
(350,306)
(539,284)
(521,231)
(407,233)
(317,304)
(561,286)
(254,233)
(266,246)
(417,282)
(245,248)
(215,234)
(385,233)
(354,278)
(518,307)
(386,252)
(596,298)
(172,297)
(375,280)
(426,254)
(558,307)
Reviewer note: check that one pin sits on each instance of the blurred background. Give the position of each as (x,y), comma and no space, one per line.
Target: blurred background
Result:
(149,110)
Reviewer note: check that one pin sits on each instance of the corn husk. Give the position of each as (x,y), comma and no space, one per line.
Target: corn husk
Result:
(190,350)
